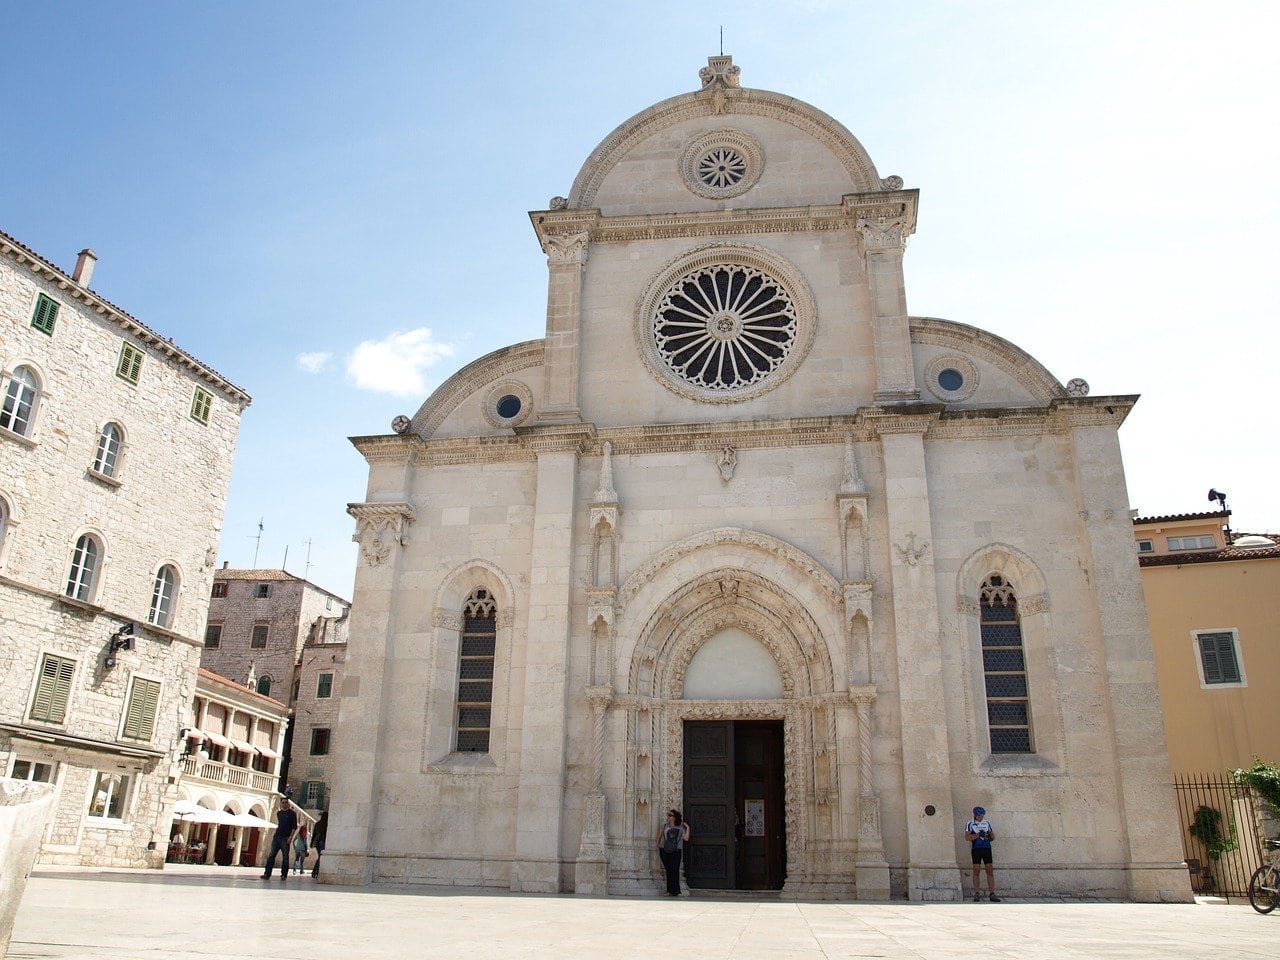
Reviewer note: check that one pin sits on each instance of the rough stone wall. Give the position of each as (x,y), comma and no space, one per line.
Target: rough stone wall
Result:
(164,505)
(289,613)
(311,710)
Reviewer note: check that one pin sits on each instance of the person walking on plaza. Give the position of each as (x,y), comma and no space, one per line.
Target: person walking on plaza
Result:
(286,823)
(980,833)
(672,837)
(317,841)
(300,849)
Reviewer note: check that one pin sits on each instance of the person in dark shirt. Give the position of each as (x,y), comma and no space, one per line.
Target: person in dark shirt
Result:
(286,824)
(318,838)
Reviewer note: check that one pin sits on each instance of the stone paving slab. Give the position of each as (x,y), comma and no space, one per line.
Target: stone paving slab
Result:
(193,913)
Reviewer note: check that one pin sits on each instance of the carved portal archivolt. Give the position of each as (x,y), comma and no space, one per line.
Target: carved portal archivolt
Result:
(820,735)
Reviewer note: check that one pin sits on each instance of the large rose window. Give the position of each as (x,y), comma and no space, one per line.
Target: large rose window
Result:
(725,322)
(724,327)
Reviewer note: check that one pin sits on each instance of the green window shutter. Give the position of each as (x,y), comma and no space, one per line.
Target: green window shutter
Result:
(130,365)
(46,314)
(140,718)
(53,689)
(201,404)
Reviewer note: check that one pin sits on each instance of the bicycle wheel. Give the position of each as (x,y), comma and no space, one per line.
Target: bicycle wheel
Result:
(1262,889)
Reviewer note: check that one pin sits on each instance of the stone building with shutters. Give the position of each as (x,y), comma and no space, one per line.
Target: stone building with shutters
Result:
(285,637)
(742,536)
(115,456)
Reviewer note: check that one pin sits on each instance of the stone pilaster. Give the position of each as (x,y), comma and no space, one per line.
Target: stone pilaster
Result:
(926,764)
(381,530)
(1144,799)
(871,872)
(884,235)
(591,873)
(566,260)
(540,806)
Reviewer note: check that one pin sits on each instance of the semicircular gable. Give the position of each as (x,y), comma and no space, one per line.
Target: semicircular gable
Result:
(987,348)
(474,377)
(712,102)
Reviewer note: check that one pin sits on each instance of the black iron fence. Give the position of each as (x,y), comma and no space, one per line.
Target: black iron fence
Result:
(1219,833)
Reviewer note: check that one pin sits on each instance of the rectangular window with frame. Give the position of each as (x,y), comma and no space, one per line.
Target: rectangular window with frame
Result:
(259,636)
(324,686)
(319,741)
(140,716)
(1219,658)
(1145,546)
(201,406)
(261,591)
(107,800)
(45,315)
(311,794)
(33,771)
(129,367)
(53,690)
(213,636)
(219,589)
(1204,542)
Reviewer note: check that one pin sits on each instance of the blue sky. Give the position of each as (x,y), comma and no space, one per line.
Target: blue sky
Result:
(327,202)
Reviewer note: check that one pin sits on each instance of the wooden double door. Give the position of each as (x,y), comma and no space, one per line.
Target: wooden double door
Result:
(733,800)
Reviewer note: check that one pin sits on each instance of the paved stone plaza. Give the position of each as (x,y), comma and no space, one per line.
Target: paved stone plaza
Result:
(193,912)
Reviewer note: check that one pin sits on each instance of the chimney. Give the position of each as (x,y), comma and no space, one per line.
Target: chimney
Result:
(225,564)
(84,267)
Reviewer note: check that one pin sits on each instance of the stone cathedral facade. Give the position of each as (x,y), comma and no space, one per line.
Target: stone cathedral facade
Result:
(741,536)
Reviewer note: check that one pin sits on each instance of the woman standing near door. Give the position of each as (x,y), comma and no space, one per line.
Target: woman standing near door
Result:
(672,837)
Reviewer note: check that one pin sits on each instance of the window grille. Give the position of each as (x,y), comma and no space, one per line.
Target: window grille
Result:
(1004,668)
(475,672)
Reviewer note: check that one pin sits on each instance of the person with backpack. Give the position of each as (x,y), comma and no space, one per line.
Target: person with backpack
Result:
(672,837)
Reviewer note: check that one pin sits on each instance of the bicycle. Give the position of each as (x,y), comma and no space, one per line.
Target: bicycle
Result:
(1264,885)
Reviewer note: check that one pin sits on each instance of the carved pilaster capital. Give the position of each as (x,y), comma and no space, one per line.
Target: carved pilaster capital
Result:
(857,597)
(380,527)
(968,606)
(606,513)
(863,693)
(884,234)
(566,247)
(601,604)
(599,695)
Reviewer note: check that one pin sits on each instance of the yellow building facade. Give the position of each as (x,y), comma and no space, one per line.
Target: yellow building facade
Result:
(1213,601)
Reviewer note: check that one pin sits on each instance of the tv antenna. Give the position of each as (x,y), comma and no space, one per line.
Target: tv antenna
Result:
(258,543)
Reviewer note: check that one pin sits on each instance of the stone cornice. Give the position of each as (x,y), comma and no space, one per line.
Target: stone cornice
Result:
(44,270)
(556,226)
(935,421)
(1070,412)
(63,739)
(907,418)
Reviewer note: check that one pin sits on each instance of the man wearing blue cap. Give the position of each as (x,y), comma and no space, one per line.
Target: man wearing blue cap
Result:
(980,833)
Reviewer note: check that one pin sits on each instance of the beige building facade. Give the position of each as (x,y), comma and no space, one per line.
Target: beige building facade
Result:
(115,457)
(741,536)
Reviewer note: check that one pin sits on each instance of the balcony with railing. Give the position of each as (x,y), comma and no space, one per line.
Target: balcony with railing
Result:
(217,771)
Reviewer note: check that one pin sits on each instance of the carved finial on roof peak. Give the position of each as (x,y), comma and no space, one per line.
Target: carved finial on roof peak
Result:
(720,69)
(605,492)
(852,482)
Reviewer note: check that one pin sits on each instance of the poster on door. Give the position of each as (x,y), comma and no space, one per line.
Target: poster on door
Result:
(754,826)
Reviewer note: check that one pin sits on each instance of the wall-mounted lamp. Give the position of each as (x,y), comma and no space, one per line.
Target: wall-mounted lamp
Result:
(122,639)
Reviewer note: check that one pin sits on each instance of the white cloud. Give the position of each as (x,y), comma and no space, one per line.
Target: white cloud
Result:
(316,362)
(396,365)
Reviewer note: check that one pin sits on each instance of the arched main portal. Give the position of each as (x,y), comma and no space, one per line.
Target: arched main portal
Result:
(790,719)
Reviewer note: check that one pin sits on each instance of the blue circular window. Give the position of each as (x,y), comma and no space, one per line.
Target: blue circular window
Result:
(509,407)
(950,379)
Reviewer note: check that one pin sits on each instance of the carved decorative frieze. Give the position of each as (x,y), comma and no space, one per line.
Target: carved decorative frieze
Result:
(379,528)
(449,619)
